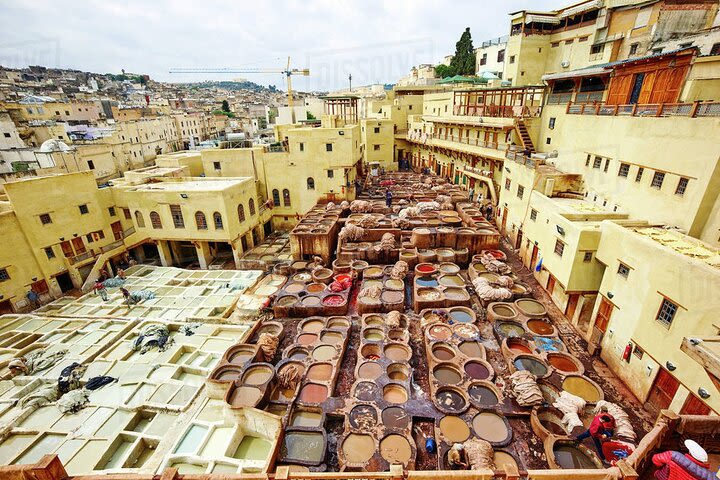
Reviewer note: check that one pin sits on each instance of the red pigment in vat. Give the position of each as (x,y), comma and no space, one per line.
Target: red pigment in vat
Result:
(477,370)
(519,347)
(333,300)
(425,268)
(342,278)
(306,338)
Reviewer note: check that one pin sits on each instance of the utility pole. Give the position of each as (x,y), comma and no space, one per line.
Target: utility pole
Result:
(350,80)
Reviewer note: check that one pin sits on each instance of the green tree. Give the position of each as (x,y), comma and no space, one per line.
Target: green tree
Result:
(463,62)
(444,71)
(225,106)
(310,116)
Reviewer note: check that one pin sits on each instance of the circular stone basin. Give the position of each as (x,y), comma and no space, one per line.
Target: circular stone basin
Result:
(582,387)
(472,349)
(548,344)
(240,355)
(450,400)
(320,372)
(257,375)
(358,448)
(244,396)
(395,417)
(367,391)
(563,363)
(454,429)
(398,335)
(295,288)
(395,449)
(458,294)
(540,327)
(398,352)
(425,268)
(428,294)
(306,338)
(302,277)
(392,296)
(466,331)
(398,371)
(226,373)
(315,287)
(449,268)
(313,393)
(393,284)
(286,301)
(311,301)
(531,364)
(324,352)
(426,282)
(446,374)
(551,419)
(372,283)
(370,370)
(370,351)
(462,315)
(322,273)
(443,351)
(299,265)
(343,277)
(451,281)
(530,307)
(373,334)
(332,338)
(477,370)
(439,332)
(510,329)
(549,392)
(338,323)
(482,395)
(297,353)
(489,276)
(491,427)
(569,456)
(372,320)
(394,393)
(502,458)
(363,417)
(373,272)
(518,345)
(333,300)
(503,310)
(312,326)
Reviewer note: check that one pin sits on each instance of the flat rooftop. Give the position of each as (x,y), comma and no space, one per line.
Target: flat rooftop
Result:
(190,184)
(681,243)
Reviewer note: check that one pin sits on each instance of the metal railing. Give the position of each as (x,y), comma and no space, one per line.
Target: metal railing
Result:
(693,110)
(519,157)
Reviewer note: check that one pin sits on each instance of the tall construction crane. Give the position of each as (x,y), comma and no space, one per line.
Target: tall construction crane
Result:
(288,72)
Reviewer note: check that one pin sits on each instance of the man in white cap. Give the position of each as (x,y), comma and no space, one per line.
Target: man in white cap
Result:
(693,465)
(457,458)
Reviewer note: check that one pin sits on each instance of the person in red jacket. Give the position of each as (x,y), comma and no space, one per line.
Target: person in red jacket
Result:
(676,466)
(601,428)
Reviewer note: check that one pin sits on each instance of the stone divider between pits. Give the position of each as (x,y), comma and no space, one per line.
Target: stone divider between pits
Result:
(392,296)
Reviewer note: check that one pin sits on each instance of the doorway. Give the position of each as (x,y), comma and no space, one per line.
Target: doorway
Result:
(518,240)
(5,307)
(65,282)
(267,227)
(603,315)
(662,391)
(550,284)
(637,87)
(533,258)
(694,406)
(572,306)
(117,230)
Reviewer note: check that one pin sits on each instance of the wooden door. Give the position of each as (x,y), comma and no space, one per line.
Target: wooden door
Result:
(518,240)
(647,88)
(504,220)
(117,230)
(67,249)
(662,392)
(550,284)
(694,406)
(78,245)
(603,315)
(533,258)
(619,89)
(572,306)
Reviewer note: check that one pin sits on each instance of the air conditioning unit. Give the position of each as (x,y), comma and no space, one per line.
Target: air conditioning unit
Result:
(564,64)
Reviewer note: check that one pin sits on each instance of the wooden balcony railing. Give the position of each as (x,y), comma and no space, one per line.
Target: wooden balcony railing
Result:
(422,138)
(693,110)
(112,246)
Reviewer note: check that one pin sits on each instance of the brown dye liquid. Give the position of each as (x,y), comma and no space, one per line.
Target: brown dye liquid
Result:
(533,307)
(503,310)
(240,356)
(245,397)
(397,372)
(370,370)
(518,347)
(367,391)
(395,449)
(397,353)
(306,338)
(567,456)
(471,349)
(552,423)
(540,327)
(440,332)
(443,352)
(582,388)
(257,376)
(320,372)
(228,374)
(313,326)
(477,371)
(392,296)
(455,429)
(283,394)
(311,301)
(295,288)
(363,417)
(324,352)
(313,393)
(482,395)
(450,400)
(395,394)
(358,448)
(563,364)
(332,338)
(315,287)
(395,417)
(500,459)
(490,427)
(447,375)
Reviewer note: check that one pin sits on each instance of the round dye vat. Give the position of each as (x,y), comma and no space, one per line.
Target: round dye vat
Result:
(367,391)
(393,284)
(453,293)
(425,268)
(343,277)
(373,320)
(447,375)
(472,349)
(502,459)
(540,327)
(549,344)
(489,276)
(332,338)
(477,370)
(510,329)
(439,332)
(443,352)
(320,372)
(551,419)
(450,400)
(372,272)
(302,277)
(461,315)
(338,322)
(315,287)
(324,352)
(531,364)
(426,282)
(549,392)
(313,393)
(257,375)
(370,370)
(518,345)
(451,281)
(306,338)
(370,351)
(311,301)
(395,417)
(582,387)
(491,427)
(373,334)
(312,326)
(465,330)
(286,301)
(392,296)
(395,449)
(482,395)
(333,300)
(239,356)
(454,429)
(226,373)
(297,353)
(428,294)
(245,396)
(530,307)
(398,372)
(571,457)
(363,417)
(395,393)
(372,284)
(295,288)
(398,335)
(358,448)
(562,363)
(322,273)
(449,268)
(398,352)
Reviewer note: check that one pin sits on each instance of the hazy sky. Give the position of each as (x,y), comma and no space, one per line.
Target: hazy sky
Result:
(376,41)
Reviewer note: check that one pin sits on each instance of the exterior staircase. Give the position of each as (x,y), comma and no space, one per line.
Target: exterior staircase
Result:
(522,132)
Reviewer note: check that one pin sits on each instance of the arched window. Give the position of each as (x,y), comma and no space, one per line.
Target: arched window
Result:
(286,197)
(200,221)
(311,183)
(251,206)
(241,213)
(276,197)
(139,220)
(155,220)
(217,218)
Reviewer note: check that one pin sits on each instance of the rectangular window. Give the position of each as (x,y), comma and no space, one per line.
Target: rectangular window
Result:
(177,216)
(520,191)
(4,275)
(638,352)
(91,165)
(568,42)
(658,179)
(667,311)
(45,218)
(587,257)
(595,49)
(126,213)
(83,209)
(583,39)
(681,186)
(483,59)
(555,44)
(328,147)
(7,135)
(330,173)
(501,56)
(634,48)
(507,184)
(607,165)
(587,160)
(89,238)
(376,129)
(376,147)
(111,211)
(559,248)
(50,253)
(533,214)
(624,170)
(512,59)
(551,123)
(597,162)
(216,165)
(302,147)
(623,270)
(639,174)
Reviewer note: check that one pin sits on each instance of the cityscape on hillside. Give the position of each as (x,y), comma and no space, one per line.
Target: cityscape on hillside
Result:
(503,264)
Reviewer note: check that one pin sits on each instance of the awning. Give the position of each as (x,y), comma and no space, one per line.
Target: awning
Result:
(534,17)
(576,9)
(583,72)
